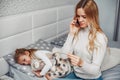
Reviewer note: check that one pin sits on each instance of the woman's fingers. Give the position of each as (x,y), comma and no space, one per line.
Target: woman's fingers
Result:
(72,56)
(73,59)
(73,22)
(73,28)
(74,63)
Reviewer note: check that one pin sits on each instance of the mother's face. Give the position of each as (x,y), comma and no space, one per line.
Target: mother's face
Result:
(81,16)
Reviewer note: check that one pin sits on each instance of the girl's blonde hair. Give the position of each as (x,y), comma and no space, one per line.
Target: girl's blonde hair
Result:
(92,14)
(21,51)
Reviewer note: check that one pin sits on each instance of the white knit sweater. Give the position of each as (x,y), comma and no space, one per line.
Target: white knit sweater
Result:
(91,67)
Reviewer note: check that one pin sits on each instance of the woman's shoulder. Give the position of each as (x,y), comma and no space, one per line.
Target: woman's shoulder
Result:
(101,36)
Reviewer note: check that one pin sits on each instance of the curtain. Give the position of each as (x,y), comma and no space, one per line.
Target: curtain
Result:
(117,21)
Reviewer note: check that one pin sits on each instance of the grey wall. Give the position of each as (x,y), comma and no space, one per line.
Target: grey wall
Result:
(11,7)
(23,22)
(107,9)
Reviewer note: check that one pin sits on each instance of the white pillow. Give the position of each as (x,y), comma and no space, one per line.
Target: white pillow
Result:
(5,77)
(4,67)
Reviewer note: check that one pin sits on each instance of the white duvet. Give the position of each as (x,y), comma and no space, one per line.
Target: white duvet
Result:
(5,77)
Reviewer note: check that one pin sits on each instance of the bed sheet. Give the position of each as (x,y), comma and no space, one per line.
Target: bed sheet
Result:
(18,75)
(111,74)
(5,77)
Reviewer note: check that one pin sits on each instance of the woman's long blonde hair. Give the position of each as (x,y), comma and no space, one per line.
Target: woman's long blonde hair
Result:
(92,14)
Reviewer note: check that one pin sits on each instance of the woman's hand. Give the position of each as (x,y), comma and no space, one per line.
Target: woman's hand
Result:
(73,29)
(37,73)
(75,60)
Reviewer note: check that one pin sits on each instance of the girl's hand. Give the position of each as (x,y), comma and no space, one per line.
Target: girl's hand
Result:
(37,73)
(48,77)
(75,60)
(73,29)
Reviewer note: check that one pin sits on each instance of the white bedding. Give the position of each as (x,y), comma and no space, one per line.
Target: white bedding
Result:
(18,75)
(5,77)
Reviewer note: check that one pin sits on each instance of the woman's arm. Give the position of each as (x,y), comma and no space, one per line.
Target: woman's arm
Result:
(67,47)
(92,68)
(98,56)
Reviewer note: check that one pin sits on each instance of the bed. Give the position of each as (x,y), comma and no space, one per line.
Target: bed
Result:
(4,68)
(19,71)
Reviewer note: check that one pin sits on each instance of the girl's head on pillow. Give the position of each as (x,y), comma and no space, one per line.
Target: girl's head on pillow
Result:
(23,56)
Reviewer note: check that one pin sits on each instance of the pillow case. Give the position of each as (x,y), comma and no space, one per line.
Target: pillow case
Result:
(23,68)
(4,67)
(5,77)
(40,44)
(59,41)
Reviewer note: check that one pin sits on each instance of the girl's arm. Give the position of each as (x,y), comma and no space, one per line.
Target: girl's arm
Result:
(45,59)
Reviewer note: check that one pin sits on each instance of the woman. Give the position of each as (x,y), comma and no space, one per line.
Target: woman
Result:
(86,44)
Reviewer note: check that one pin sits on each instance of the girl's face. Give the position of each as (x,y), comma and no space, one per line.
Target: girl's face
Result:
(81,16)
(25,59)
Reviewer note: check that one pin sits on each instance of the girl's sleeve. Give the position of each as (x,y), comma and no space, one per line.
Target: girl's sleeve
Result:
(46,60)
(67,47)
(93,68)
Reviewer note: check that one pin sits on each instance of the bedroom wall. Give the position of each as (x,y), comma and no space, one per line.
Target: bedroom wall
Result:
(23,22)
(107,11)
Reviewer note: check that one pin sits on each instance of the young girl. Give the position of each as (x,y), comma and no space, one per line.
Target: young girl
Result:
(86,44)
(25,56)
(43,63)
